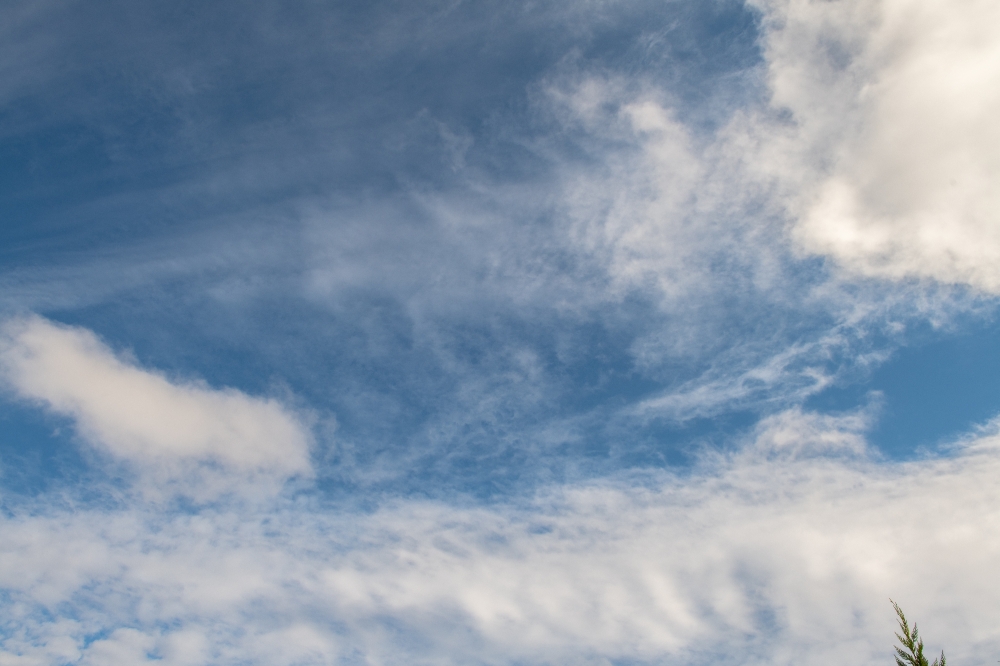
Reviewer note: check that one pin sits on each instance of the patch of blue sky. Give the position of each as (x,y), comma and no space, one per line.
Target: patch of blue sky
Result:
(932,390)
(333,102)
(38,453)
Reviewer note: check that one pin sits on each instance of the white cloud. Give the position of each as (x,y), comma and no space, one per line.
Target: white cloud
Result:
(167,429)
(892,162)
(636,208)
(880,145)
(778,554)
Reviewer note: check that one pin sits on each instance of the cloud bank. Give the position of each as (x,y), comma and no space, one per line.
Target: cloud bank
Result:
(784,552)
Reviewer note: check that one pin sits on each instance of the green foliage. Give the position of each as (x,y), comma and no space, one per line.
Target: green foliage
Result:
(913,654)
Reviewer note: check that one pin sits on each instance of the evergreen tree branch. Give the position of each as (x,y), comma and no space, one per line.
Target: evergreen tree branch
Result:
(912,651)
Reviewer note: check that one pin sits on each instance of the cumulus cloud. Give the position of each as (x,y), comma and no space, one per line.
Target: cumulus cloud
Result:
(891,162)
(777,554)
(879,145)
(164,428)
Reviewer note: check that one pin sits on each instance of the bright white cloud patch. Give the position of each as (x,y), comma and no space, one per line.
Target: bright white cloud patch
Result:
(779,555)
(895,155)
(142,417)
(888,158)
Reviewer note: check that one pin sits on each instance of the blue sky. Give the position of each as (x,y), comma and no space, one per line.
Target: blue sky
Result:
(497,333)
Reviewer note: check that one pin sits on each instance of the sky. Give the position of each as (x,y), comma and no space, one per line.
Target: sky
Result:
(603,333)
